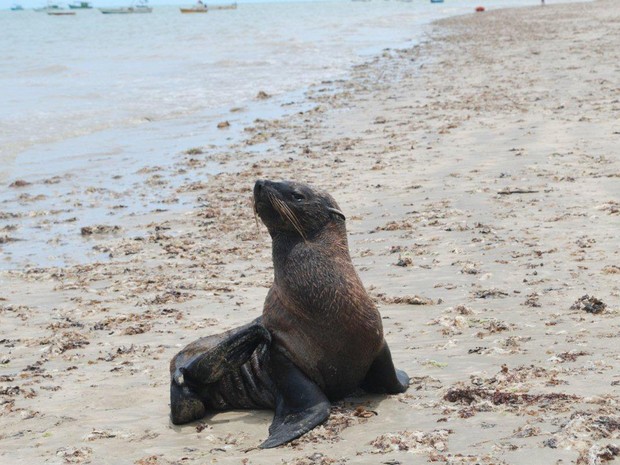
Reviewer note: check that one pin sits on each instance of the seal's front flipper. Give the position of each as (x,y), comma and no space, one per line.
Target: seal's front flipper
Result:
(300,404)
(232,351)
(383,378)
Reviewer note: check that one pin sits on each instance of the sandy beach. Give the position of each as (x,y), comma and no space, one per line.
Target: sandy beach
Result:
(480,176)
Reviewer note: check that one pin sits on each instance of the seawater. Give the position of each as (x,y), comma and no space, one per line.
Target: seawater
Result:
(62,77)
(102,95)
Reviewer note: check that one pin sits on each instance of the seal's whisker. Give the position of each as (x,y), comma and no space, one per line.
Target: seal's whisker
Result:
(285,212)
(291,216)
(288,213)
(255,210)
(278,206)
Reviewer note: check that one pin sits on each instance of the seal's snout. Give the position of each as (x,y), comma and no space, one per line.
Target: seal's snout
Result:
(258,187)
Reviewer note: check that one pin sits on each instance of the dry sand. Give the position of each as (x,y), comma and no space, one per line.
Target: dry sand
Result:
(479,172)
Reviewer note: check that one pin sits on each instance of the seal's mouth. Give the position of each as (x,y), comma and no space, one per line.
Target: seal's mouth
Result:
(262,200)
(260,188)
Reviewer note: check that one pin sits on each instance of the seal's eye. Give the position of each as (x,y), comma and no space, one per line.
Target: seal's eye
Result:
(297,196)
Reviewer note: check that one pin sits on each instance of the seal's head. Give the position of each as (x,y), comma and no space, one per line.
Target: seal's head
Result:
(295,208)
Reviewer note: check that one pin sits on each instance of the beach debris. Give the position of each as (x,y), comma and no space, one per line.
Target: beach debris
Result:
(97,434)
(411,441)
(509,191)
(194,151)
(362,412)
(597,455)
(463,310)
(55,179)
(611,269)
(6,239)
(612,207)
(579,432)
(527,431)
(433,364)
(471,395)
(10,391)
(223,125)
(68,340)
(404,262)
(569,356)
(406,299)
(342,416)
(262,95)
(470,268)
(10,215)
(487,293)
(75,455)
(19,183)
(495,326)
(25,197)
(149,460)
(450,324)
(99,229)
(532,300)
(589,304)
(395,226)
(137,329)
(315,459)
(200,427)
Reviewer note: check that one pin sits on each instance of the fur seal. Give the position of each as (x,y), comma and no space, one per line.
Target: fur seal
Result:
(320,336)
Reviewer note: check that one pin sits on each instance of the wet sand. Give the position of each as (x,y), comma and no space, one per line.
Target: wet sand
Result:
(480,178)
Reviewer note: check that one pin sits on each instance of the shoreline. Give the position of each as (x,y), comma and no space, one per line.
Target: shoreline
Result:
(133,151)
(490,184)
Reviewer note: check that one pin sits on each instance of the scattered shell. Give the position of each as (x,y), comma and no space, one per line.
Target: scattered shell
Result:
(589,304)
(99,229)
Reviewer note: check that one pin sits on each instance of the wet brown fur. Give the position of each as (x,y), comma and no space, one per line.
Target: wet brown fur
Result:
(317,311)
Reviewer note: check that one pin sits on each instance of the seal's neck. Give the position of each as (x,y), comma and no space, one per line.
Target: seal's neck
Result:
(283,243)
(329,242)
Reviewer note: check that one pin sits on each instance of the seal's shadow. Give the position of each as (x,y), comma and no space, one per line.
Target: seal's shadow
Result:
(248,417)
(358,404)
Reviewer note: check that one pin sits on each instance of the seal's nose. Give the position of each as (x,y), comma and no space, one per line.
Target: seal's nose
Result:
(258,187)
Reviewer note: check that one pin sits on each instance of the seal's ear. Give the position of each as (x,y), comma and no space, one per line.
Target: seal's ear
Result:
(338,213)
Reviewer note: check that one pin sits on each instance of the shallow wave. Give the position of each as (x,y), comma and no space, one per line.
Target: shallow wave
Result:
(43,71)
(242,63)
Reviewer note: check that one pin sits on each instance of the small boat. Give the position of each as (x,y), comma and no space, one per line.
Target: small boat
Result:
(479,9)
(81,6)
(436,1)
(61,13)
(141,7)
(17,7)
(48,8)
(232,6)
(197,8)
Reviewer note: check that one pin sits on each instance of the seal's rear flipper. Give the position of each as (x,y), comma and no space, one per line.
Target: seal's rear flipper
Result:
(383,378)
(300,404)
(235,348)
(185,406)
(206,361)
